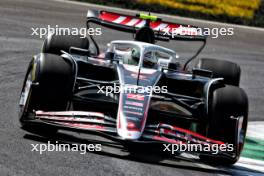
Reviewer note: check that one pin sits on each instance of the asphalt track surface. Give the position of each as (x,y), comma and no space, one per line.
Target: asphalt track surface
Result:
(17,46)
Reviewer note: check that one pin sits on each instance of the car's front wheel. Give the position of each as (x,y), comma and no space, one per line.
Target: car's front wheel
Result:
(228,117)
(48,86)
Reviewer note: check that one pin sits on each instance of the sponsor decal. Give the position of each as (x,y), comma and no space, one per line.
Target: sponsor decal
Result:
(132,118)
(133,103)
(134,113)
(131,125)
(133,108)
(136,97)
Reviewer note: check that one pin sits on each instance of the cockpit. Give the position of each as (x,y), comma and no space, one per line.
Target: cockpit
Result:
(141,54)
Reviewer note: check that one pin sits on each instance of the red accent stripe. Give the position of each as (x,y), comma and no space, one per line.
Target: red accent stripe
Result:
(85,126)
(196,135)
(119,112)
(126,20)
(136,96)
(107,16)
(119,121)
(159,138)
(155,24)
(172,26)
(71,119)
(132,127)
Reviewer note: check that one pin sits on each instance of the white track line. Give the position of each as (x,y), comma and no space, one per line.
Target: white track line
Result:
(256,130)
(161,15)
(251,164)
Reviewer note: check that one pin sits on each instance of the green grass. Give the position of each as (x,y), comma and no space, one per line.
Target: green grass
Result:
(245,12)
(240,8)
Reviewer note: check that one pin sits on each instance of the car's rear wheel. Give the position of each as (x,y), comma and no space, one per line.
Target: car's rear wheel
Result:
(228,116)
(48,86)
(222,69)
(53,44)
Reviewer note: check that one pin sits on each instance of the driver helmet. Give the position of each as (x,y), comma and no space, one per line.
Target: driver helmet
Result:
(135,55)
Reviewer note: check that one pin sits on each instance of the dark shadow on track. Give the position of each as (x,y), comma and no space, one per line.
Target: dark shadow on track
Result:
(138,154)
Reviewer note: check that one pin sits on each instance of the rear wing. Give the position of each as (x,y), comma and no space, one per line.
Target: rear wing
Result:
(163,30)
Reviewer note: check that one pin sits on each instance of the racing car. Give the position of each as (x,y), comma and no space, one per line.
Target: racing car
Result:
(135,90)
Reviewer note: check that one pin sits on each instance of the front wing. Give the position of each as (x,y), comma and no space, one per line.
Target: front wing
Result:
(100,123)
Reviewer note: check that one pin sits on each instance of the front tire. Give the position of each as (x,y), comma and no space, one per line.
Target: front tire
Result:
(228,117)
(48,86)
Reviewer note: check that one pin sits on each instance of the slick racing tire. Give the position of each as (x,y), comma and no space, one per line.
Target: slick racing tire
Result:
(222,69)
(48,86)
(228,117)
(53,44)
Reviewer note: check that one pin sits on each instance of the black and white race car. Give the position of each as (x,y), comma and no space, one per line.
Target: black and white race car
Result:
(135,91)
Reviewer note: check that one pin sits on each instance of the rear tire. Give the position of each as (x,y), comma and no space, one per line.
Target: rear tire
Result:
(48,86)
(228,103)
(222,69)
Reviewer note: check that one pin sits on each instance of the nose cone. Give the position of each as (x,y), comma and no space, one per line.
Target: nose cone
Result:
(131,117)
(130,135)
(134,100)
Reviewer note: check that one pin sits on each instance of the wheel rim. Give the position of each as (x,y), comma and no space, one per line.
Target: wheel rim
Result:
(23,101)
(241,133)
